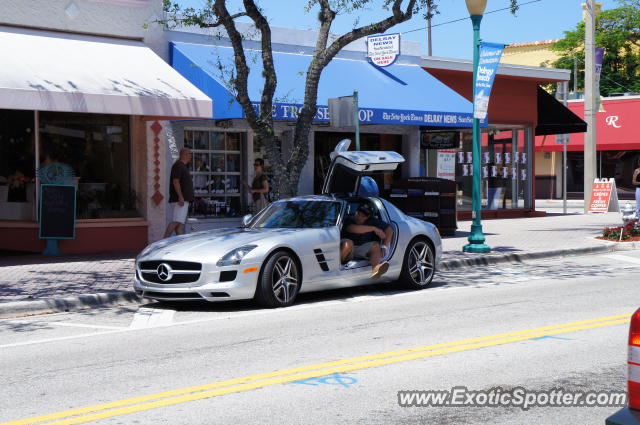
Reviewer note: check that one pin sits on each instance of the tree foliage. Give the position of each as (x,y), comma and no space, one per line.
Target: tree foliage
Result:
(618,32)
(287,164)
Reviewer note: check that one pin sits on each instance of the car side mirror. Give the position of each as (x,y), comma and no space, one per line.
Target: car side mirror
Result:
(246,220)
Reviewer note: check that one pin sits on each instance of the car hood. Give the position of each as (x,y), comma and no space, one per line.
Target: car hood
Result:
(214,242)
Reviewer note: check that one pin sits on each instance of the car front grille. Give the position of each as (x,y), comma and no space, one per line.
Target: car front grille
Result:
(174,271)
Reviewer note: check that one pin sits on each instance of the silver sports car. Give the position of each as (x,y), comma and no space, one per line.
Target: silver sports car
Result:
(292,246)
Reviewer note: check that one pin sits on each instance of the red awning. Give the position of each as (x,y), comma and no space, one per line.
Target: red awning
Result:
(617,129)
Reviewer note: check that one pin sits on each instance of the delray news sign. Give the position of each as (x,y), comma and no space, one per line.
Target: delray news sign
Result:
(490,54)
(289,112)
(383,49)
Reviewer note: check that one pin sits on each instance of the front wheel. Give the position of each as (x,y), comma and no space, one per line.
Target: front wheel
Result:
(279,283)
(418,266)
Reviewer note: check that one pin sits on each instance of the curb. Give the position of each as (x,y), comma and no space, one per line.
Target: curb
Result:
(105,299)
(72,303)
(487,260)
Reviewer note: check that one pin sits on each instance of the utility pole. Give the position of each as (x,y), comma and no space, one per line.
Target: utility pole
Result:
(589,101)
(429,50)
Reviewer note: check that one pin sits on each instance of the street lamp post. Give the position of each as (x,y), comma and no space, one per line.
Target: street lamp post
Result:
(476,237)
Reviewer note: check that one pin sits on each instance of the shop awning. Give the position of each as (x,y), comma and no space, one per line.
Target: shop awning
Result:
(555,118)
(398,94)
(50,71)
(617,128)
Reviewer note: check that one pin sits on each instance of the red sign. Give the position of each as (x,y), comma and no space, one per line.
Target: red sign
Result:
(600,196)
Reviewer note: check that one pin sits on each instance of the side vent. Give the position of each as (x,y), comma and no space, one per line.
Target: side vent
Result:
(321,260)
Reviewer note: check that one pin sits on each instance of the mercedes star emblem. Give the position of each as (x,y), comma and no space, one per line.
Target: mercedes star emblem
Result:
(164,272)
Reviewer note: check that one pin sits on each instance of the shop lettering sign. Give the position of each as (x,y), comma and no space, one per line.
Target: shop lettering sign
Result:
(383,50)
(604,196)
(290,111)
(490,54)
(440,140)
(612,120)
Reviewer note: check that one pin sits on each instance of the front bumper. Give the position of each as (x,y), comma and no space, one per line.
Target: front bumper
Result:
(208,286)
(624,416)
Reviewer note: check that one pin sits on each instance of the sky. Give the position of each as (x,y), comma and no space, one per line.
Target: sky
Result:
(535,20)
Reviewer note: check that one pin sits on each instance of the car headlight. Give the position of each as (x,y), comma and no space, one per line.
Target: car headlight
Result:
(234,257)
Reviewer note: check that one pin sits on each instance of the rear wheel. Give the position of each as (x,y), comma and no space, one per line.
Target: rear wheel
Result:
(418,266)
(279,282)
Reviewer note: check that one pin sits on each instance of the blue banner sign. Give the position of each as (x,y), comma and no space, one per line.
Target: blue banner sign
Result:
(490,54)
(289,112)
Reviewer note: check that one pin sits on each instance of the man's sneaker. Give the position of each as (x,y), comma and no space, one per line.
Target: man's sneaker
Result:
(379,270)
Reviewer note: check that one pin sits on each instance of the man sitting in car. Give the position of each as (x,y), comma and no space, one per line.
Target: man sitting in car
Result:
(360,236)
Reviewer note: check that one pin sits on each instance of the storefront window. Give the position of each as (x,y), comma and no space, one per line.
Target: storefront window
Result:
(17,165)
(504,167)
(618,165)
(217,172)
(98,149)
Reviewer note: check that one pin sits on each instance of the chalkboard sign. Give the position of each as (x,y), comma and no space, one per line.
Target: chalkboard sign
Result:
(57,211)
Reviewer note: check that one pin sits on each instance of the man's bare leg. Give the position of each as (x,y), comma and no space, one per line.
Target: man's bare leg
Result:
(377,268)
(170,228)
(345,249)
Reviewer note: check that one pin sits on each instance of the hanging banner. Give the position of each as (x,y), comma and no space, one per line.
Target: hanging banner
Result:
(604,196)
(383,49)
(490,54)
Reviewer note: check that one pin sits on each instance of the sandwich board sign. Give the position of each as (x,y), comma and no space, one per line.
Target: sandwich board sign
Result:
(604,196)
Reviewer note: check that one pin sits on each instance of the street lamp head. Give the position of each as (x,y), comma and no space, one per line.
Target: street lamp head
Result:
(476,7)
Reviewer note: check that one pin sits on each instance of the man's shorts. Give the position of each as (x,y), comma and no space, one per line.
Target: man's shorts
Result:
(359,252)
(180,212)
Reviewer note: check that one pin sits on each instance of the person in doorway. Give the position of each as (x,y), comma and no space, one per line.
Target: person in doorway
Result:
(635,180)
(180,193)
(259,188)
(360,235)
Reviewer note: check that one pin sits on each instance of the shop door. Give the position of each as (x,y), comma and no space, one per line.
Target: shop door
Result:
(503,171)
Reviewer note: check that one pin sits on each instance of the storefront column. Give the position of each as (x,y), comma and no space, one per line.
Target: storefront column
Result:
(411,153)
(156,196)
(305,184)
(528,185)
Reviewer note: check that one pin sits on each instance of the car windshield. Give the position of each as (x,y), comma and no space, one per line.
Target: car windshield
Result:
(299,214)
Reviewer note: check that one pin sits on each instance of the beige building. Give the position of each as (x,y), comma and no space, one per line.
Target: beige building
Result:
(532,53)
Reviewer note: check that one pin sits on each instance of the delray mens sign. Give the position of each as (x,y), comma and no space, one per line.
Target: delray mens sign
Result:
(383,49)
(490,54)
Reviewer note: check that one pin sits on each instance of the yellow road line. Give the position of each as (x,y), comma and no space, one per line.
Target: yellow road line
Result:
(168,398)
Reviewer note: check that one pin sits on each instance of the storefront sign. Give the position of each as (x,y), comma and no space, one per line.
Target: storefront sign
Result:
(289,112)
(440,140)
(490,54)
(604,196)
(57,211)
(383,49)
(446,168)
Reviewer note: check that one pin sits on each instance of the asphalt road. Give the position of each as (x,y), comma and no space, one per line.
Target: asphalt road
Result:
(335,357)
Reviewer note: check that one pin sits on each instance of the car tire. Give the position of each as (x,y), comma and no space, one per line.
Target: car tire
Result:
(279,281)
(418,265)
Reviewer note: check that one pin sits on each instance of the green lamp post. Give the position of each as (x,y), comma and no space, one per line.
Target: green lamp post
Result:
(476,237)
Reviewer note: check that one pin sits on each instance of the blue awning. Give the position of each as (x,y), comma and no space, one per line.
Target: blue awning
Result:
(398,94)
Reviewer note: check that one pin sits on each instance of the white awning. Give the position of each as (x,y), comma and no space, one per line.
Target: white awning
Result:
(50,71)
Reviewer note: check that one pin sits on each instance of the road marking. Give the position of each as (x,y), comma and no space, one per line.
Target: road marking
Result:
(147,317)
(183,395)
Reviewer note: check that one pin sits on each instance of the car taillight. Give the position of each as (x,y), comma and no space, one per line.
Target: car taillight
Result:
(634,361)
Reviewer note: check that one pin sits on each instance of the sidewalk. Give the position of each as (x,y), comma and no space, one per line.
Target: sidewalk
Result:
(74,280)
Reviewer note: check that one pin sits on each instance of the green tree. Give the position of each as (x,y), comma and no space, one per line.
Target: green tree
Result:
(618,32)
(287,165)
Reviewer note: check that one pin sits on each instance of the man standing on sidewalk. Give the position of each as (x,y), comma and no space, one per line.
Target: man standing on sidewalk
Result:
(180,193)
